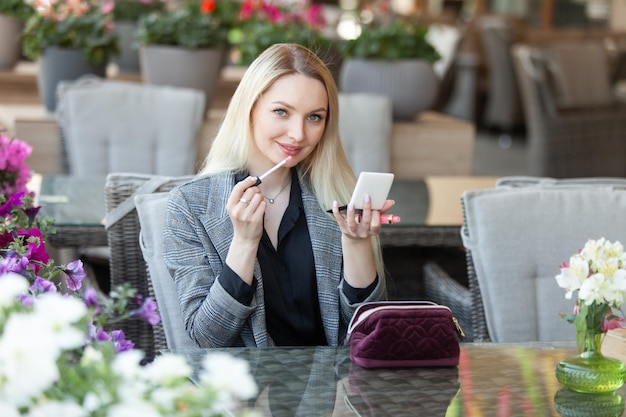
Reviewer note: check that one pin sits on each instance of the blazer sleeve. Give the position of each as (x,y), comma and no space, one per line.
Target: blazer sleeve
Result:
(212,317)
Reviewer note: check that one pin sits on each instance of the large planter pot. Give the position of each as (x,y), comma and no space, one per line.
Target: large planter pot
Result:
(10,43)
(182,67)
(128,59)
(411,84)
(59,64)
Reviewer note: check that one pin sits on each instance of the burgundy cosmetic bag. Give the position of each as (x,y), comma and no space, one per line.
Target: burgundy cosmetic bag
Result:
(404,334)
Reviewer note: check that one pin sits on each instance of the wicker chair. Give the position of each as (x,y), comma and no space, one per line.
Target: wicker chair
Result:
(516,236)
(126,261)
(572,132)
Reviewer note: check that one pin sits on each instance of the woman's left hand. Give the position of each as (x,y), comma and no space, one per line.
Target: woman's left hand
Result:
(366,224)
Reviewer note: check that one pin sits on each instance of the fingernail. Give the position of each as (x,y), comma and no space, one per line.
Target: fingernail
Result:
(350,207)
(366,198)
(335,204)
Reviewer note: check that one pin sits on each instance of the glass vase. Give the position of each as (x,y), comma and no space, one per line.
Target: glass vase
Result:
(590,371)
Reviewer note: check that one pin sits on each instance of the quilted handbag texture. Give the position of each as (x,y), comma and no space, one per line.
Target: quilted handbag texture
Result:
(404,334)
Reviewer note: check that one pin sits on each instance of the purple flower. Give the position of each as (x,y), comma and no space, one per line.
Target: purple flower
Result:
(91,300)
(11,261)
(31,213)
(13,201)
(121,344)
(103,336)
(75,275)
(43,285)
(148,311)
(26,300)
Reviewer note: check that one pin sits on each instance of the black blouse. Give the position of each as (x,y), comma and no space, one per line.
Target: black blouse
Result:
(292,307)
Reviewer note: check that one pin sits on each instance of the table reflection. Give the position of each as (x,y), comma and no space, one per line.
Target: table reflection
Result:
(500,380)
(575,404)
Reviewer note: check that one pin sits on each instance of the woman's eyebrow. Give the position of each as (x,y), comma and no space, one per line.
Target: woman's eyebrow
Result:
(282,103)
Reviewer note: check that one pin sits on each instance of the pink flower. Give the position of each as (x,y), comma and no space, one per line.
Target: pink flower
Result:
(36,247)
(614,323)
(14,172)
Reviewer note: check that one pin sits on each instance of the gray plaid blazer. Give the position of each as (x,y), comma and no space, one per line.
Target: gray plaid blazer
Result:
(197,235)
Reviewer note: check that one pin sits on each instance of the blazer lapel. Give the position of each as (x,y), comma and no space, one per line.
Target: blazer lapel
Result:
(220,231)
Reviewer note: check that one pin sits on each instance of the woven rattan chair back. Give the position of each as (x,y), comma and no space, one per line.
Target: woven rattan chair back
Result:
(127,263)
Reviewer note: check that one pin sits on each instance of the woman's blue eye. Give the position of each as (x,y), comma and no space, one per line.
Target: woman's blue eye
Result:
(316,117)
(280,112)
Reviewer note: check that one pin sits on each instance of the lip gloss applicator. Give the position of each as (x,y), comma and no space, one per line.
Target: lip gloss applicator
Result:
(260,178)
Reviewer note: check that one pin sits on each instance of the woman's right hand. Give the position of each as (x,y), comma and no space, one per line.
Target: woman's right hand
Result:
(246,208)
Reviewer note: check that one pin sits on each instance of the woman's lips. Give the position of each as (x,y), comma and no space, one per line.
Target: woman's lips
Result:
(290,150)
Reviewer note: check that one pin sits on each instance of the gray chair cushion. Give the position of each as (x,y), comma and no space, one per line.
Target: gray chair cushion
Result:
(122,126)
(518,237)
(365,126)
(151,211)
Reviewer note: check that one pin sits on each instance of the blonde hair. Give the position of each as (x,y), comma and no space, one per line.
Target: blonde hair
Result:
(327,168)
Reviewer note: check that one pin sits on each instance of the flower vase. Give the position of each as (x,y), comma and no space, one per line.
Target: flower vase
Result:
(63,64)
(128,59)
(590,371)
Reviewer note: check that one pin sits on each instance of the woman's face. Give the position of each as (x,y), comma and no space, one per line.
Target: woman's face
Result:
(288,120)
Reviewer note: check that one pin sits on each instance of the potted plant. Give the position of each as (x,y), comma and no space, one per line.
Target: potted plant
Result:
(263,23)
(61,353)
(126,14)
(392,56)
(13,14)
(184,46)
(70,38)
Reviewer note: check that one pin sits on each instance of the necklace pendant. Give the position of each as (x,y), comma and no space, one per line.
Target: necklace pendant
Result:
(271,200)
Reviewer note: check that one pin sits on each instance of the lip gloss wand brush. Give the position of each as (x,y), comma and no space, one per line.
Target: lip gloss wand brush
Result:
(260,178)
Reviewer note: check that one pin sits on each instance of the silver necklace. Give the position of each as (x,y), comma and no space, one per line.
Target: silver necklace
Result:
(271,200)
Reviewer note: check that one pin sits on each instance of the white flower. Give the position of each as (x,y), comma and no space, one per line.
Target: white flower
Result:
(617,294)
(28,355)
(168,368)
(569,281)
(61,313)
(229,375)
(133,409)
(132,385)
(11,285)
(57,408)
(91,355)
(594,289)
(8,410)
(597,273)
(127,364)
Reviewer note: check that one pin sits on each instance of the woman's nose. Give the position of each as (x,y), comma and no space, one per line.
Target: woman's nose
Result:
(296,129)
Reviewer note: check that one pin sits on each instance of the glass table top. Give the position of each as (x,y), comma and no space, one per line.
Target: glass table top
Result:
(500,380)
(73,201)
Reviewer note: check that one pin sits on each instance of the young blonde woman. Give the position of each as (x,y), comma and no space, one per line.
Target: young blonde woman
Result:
(265,265)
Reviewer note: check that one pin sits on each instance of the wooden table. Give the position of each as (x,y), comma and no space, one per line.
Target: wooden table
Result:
(430,210)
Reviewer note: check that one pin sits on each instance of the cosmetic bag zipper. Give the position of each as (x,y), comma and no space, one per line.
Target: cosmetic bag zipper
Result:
(409,306)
